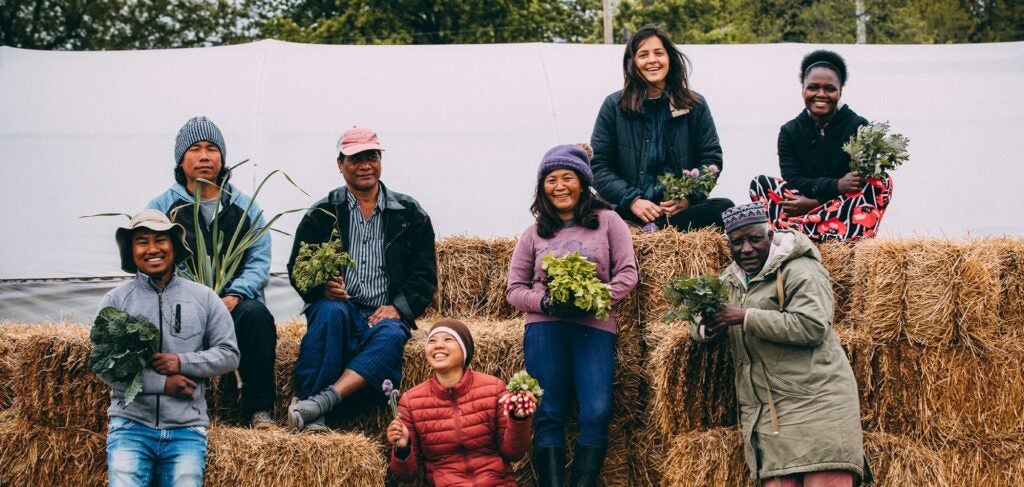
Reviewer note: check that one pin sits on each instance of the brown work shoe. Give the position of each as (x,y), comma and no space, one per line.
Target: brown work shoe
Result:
(261,420)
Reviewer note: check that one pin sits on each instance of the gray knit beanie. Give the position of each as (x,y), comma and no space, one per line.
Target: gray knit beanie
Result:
(195,130)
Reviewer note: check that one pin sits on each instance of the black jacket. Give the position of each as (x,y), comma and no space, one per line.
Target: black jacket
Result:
(409,256)
(618,141)
(812,159)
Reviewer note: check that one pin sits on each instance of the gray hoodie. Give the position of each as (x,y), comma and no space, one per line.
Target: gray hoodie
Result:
(203,338)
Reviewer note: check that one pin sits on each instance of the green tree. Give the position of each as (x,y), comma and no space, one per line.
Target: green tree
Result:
(118,24)
(434,22)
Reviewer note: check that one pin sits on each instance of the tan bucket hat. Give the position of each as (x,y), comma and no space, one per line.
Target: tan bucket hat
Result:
(157,222)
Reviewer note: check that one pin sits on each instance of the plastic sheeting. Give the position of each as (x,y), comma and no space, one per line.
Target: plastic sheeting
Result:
(464,127)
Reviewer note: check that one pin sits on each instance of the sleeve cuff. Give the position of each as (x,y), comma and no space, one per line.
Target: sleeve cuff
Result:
(743,326)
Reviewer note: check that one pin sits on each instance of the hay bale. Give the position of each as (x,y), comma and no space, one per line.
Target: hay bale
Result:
(463,276)
(497,307)
(880,288)
(663,255)
(715,457)
(837,258)
(931,291)
(55,386)
(1011,276)
(12,338)
(897,387)
(986,461)
(35,455)
(897,461)
(978,294)
(239,456)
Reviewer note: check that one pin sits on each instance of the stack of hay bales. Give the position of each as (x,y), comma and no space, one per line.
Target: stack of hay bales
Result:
(932,329)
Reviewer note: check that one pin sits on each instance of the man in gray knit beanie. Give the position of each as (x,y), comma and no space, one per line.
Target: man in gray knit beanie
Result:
(200,153)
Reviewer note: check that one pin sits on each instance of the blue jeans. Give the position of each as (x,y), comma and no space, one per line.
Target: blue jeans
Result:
(137,455)
(566,357)
(338,338)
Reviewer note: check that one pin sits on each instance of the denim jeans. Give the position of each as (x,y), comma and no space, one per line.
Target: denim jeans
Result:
(338,338)
(138,455)
(566,357)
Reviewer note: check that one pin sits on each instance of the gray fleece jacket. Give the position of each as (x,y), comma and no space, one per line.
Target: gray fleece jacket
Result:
(195,325)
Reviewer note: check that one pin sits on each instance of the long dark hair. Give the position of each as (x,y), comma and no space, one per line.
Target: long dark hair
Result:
(677,83)
(585,213)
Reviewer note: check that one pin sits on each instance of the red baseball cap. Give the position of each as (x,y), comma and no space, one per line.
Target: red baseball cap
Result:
(358,139)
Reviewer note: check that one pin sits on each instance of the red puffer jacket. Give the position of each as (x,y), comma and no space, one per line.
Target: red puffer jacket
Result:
(460,433)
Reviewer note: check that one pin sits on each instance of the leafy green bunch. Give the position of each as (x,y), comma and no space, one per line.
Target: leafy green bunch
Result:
(522,382)
(122,345)
(573,279)
(691,181)
(873,151)
(695,297)
(319,263)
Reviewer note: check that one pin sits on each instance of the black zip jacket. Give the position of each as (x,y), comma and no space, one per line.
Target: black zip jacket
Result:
(409,256)
(811,158)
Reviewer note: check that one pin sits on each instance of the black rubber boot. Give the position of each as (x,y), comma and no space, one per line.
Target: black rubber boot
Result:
(550,465)
(586,466)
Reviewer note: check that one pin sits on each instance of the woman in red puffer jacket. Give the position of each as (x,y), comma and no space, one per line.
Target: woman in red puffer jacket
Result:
(459,424)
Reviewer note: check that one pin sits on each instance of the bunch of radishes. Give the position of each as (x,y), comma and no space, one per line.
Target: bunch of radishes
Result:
(521,396)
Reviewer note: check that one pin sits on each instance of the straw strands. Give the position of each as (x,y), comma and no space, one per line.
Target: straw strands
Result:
(1011,276)
(36,455)
(715,457)
(239,456)
(837,258)
(880,288)
(463,276)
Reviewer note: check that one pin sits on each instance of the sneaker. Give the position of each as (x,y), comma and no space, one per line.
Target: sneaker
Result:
(261,420)
(317,427)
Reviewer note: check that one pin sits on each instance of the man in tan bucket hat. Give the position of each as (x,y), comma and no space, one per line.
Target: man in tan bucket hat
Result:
(160,437)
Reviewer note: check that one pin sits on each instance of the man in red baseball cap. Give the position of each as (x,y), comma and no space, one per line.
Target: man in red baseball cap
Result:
(358,322)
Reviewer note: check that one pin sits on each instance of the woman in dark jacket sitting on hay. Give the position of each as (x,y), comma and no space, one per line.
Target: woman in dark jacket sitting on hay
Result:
(655,125)
(818,195)
(457,424)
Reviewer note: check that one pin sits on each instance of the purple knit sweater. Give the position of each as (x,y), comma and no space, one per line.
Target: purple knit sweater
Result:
(610,246)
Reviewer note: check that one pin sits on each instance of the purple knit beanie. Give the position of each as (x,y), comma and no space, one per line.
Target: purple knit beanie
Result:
(566,157)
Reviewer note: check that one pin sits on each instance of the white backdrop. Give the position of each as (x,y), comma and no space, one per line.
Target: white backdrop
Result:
(464,127)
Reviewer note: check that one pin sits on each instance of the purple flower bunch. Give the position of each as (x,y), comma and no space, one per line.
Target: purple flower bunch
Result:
(688,182)
(392,393)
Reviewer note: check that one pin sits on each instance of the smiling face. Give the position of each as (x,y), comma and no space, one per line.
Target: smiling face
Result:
(563,190)
(361,170)
(750,245)
(444,353)
(652,62)
(201,160)
(153,253)
(821,93)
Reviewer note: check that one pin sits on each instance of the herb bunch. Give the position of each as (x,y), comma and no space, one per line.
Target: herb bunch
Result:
(319,263)
(695,297)
(122,346)
(573,279)
(873,151)
(691,181)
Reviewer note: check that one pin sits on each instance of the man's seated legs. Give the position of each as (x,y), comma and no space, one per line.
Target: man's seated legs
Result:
(257,342)
(137,453)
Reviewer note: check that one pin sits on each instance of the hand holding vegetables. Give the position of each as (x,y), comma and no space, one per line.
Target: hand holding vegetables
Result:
(322,263)
(521,396)
(572,280)
(122,345)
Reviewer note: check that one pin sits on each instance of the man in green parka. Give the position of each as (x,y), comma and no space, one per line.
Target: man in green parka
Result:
(798,405)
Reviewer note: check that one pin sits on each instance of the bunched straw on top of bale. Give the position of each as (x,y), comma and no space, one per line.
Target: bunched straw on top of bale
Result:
(715,457)
(1011,276)
(240,456)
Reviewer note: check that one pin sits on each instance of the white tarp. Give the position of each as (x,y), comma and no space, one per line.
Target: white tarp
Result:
(464,127)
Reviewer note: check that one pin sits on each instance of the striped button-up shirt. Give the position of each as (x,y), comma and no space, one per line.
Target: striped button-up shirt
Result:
(367,282)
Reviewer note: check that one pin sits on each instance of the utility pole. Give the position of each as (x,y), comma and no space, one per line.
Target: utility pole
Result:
(862,20)
(607,7)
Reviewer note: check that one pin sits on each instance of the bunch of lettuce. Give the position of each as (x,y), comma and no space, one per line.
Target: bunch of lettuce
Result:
(873,151)
(695,297)
(691,181)
(573,280)
(122,346)
(319,263)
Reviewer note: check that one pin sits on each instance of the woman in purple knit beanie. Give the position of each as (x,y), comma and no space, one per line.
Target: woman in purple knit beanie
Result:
(568,349)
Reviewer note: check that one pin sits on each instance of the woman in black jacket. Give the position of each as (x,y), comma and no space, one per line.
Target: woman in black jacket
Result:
(818,194)
(655,125)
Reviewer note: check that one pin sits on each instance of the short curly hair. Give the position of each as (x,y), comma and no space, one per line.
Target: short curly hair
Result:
(823,58)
